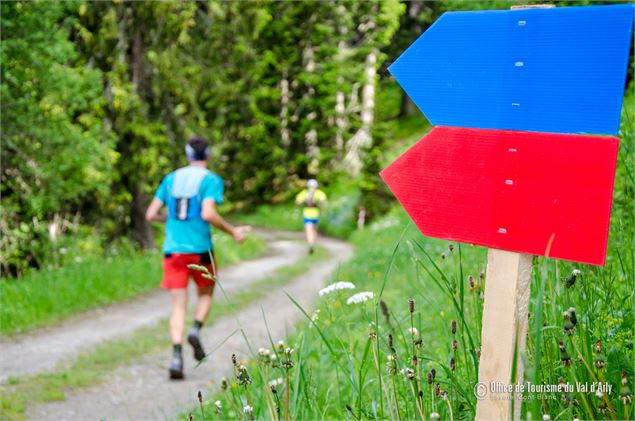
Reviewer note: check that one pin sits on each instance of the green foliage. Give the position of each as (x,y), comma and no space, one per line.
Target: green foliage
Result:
(45,297)
(338,217)
(56,154)
(99,99)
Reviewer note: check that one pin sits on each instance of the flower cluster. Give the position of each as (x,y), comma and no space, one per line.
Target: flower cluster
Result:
(360,297)
(337,286)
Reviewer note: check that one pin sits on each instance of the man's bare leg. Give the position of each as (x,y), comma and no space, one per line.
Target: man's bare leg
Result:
(203,305)
(311,235)
(178,298)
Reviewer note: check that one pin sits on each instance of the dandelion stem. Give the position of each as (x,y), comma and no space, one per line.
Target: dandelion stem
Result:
(450,409)
(202,411)
(394,389)
(231,402)
(413,388)
(382,385)
(286,395)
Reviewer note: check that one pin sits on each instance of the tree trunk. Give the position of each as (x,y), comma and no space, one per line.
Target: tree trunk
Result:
(406,105)
(285,136)
(363,138)
(141,228)
(341,123)
(311,137)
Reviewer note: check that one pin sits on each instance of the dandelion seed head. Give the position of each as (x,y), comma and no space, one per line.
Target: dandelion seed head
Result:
(408,373)
(413,331)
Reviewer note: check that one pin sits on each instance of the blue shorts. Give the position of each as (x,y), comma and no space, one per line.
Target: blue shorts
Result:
(310,221)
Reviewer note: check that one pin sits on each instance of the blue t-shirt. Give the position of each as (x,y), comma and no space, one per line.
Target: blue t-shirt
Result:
(187,232)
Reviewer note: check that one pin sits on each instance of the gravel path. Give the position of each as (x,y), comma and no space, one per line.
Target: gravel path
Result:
(43,349)
(143,392)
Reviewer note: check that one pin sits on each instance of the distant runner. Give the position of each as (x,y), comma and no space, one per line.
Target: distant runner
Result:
(312,199)
(191,194)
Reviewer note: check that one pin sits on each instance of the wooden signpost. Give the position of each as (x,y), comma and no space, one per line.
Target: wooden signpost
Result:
(509,164)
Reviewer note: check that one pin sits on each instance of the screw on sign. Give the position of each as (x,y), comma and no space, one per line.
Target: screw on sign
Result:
(515,163)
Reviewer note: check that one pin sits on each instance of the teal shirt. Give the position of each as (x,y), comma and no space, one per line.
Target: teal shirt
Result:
(192,235)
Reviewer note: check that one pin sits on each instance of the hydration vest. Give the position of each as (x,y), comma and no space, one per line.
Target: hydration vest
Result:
(184,199)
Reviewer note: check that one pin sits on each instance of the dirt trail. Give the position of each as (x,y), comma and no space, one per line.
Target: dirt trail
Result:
(43,349)
(142,391)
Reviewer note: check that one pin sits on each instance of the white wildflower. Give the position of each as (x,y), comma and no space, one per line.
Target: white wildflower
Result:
(599,394)
(248,409)
(391,358)
(63,250)
(315,317)
(435,416)
(218,404)
(576,272)
(360,297)
(264,355)
(276,382)
(337,286)
(546,417)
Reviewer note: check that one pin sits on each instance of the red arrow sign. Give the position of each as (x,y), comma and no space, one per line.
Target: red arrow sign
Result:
(536,193)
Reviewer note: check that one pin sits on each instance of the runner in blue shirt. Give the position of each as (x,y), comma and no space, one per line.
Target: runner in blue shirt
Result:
(190,194)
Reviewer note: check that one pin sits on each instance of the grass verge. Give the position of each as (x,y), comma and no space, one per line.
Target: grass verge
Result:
(91,368)
(412,351)
(45,297)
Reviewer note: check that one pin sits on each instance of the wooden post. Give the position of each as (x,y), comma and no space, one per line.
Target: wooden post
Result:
(504,332)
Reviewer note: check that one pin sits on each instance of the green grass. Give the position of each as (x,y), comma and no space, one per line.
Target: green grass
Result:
(93,367)
(338,218)
(340,367)
(45,297)
(286,217)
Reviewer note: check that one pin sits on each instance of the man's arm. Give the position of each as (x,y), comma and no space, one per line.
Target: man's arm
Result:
(209,214)
(154,211)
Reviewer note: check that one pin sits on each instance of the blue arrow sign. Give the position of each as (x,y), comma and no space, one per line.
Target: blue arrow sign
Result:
(556,70)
